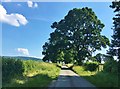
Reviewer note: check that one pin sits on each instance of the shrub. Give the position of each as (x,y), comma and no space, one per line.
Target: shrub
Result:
(27,71)
(91,66)
(10,68)
(111,66)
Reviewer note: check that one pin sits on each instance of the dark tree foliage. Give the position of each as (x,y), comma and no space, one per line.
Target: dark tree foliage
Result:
(102,57)
(115,43)
(99,57)
(80,32)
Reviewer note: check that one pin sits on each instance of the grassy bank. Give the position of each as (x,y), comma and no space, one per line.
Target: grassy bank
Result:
(99,79)
(21,73)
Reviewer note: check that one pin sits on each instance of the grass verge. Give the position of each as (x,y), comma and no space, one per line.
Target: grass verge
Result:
(35,74)
(99,79)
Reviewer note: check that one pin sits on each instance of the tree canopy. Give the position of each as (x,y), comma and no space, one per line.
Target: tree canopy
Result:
(75,37)
(115,42)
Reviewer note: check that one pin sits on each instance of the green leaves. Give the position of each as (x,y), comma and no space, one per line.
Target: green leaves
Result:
(78,31)
(91,66)
(115,42)
(10,68)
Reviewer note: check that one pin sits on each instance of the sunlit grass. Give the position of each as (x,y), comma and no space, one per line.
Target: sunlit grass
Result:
(20,81)
(81,71)
(69,65)
(99,79)
(103,79)
(36,74)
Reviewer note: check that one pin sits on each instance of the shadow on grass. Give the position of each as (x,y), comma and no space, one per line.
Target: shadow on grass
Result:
(104,80)
(40,81)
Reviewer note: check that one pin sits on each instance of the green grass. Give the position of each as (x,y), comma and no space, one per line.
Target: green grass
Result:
(103,79)
(59,65)
(99,79)
(35,81)
(69,65)
(36,74)
(81,71)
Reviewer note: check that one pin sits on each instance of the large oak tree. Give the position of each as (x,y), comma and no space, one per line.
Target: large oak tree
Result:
(79,31)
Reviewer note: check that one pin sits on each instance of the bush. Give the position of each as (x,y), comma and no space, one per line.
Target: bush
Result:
(91,66)
(111,66)
(119,66)
(10,68)
(28,72)
(32,68)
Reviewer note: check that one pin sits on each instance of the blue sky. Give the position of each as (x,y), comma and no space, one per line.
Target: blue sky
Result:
(28,38)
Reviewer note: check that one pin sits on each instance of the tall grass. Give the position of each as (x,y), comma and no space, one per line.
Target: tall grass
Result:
(32,68)
(82,71)
(104,79)
(99,79)
(32,73)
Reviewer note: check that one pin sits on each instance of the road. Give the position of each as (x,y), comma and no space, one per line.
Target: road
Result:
(68,78)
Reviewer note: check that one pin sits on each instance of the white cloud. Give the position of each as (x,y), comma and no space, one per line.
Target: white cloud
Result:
(23,51)
(14,19)
(18,4)
(35,5)
(31,4)
(6,0)
(36,57)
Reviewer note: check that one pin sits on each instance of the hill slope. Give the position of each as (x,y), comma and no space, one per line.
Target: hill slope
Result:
(24,58)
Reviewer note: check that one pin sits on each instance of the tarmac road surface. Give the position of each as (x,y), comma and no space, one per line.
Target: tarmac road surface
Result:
(69,79)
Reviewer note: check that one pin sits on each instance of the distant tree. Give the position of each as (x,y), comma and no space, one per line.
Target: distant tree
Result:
(69,56)
(99,57)
(60,56)
(115,43)
(102,57)
(79,30)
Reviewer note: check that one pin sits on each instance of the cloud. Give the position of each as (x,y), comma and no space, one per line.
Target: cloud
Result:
(35,5)
(23,51)
(37,57)
(6,0)
(13,19)
(31,4)
(19,5)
